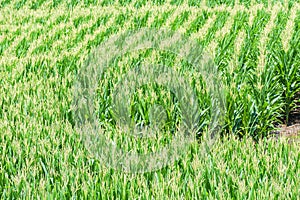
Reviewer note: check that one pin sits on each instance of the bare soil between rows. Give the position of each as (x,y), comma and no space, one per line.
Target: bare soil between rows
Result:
(291,130)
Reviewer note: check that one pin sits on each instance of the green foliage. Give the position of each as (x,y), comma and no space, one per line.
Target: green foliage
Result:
(43,156)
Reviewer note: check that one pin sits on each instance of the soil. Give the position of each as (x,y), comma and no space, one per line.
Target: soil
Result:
(291,130)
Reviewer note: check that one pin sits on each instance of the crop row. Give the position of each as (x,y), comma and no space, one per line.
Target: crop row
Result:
(78,28)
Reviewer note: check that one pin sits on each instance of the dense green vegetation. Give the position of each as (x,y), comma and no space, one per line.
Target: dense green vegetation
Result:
(44,44)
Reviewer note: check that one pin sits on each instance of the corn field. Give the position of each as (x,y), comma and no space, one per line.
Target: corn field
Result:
(255,46)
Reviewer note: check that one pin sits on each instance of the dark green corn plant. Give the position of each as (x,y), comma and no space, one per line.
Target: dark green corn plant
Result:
(287,66)
(266,101)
